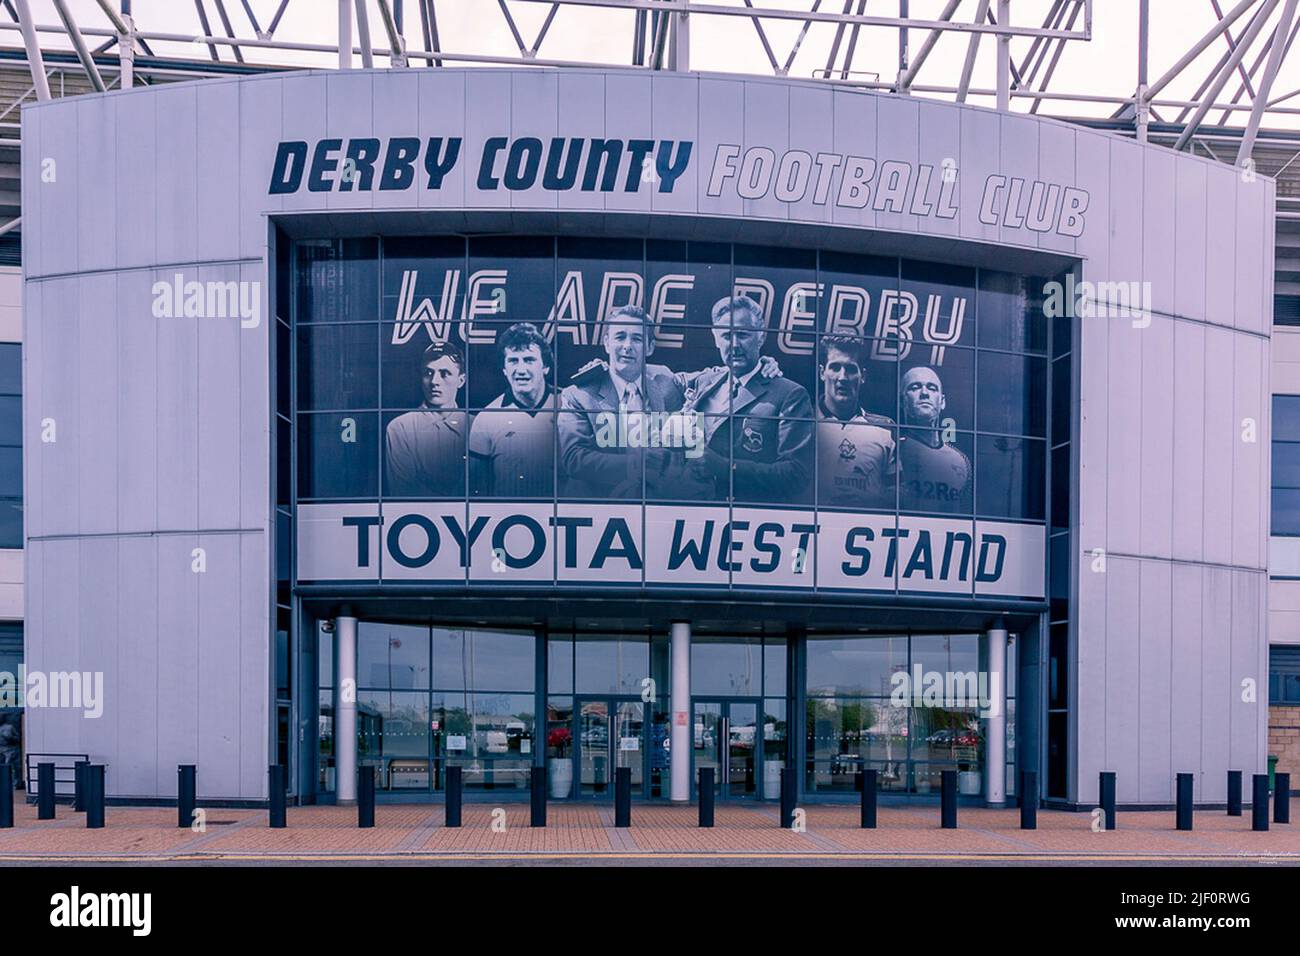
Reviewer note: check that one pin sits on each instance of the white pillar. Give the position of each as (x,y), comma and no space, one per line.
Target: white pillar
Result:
(995,725)
(679,759)
(345,711)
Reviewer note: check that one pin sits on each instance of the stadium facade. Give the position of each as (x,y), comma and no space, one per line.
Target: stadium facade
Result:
(589,419)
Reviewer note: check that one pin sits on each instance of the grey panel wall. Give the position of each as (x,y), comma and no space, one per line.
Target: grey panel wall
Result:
(162,424)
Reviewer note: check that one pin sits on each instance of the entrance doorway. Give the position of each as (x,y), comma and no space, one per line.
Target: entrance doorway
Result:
(727,738)
(609,733)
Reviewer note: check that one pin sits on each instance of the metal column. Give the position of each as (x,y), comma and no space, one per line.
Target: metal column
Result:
(995,724)
(679,759)
(345,711)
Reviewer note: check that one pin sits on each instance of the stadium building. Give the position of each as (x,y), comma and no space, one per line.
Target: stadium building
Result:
(505,416)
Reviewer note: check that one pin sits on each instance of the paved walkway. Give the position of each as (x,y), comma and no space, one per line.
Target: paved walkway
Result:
(659,833)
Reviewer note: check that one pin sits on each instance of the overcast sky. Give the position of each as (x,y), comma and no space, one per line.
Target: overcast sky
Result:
(1106,65)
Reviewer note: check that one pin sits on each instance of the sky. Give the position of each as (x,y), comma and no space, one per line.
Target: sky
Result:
(1105,65)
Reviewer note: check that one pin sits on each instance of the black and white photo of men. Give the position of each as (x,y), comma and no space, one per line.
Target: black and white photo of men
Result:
(857,462)
(607,412)
(512,442)
(936,473)
(426,447)
(764,423)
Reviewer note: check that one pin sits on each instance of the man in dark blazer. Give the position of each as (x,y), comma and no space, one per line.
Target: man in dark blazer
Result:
(766,423)
(605,441)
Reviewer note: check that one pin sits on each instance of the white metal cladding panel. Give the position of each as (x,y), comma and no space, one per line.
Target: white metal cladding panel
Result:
(34,652)
(135,709)
(30,171)
(396,97)
(219,351)
(1123,674)
(723,102)
(96,597)
(305,117)
(673,101)
(1126,214)
(1217,685)
(629,109)
(489,114)
(1155,783)
(1249,721)
(1184,699)
(581,115)
(56,200)
(96,420)
(1123,385)
(33,385)
(1254,200)
(1092,173)
(812,129)
(254,628)
(175,163)
(137,452)
(219,646)
(1189,239)
(1090,679)
(1221,244)
(1156,422)
(56,499)
(1159,226)
(261,110)
(1188,440)
(898,132)
(178,652)
(443,113)
(96,200)
(1057,161)
(767,121)
(1250,479)
(254,409)
(58,636)
(177,418)
(218,137)
(1222,435)
(349,108)
(981,137)
(854,135)
(1093,414)
(136,179)
(1018,159)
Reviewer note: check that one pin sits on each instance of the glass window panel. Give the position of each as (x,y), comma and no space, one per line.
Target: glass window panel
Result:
(1286,464)
(726,666)
(1286,417)
(338,280)
(11,368)
(512,454)
(11,472)
(425,453)
(1008,314)
(490,736)
(324,658)
(393,656)
(338,455)
(783,281)
(483,660)
(610,665)
(338,366)
(1062,320)
(945,307)
(937,391)
(1012,394)
(935,471)
(1061,487)
(1058,688)
(946,652)
(774,666)
(1011,477)
(1061,411)
(559,665)
(684,279)
(1286,511)
(845,735)
(854,665)
(393,731)
(428,365)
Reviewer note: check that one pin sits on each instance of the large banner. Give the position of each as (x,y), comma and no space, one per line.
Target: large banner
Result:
(538,409)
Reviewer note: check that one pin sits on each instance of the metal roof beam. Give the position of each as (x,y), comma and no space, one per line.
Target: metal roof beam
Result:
(1277,50)
(79,44)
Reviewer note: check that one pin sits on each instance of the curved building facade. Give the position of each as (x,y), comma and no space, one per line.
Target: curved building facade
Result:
(597,419)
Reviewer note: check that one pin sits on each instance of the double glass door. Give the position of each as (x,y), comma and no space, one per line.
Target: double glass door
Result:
(726,735)
(610,734)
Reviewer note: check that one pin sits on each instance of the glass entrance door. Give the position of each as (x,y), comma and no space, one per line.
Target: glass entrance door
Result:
(726,738)
(610,734)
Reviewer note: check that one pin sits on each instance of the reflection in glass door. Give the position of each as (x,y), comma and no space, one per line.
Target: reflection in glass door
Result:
(726,739)
(610,735)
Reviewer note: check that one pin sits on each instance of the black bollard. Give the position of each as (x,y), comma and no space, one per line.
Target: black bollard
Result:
(868,797)
(538,783)
(278,820)
(706,797)
(186,791)
(623,797)
(79,786)
(365,798)
(1029,800)
(1234,793)
(1184,793)
(1106,789)
(454,795)
(948,799)
(6,796)
(1281,797)
(45,791)
(93,785)
(1259,802)
(787,799)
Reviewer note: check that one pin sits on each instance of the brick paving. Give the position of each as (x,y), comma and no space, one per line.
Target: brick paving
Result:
(415,833)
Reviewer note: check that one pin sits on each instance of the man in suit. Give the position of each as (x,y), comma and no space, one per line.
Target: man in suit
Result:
(604,433)
(765,424)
